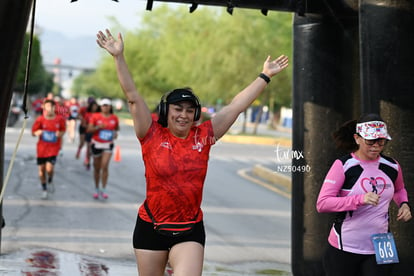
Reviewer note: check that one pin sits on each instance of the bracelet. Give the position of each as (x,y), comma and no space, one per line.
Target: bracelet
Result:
(265,77)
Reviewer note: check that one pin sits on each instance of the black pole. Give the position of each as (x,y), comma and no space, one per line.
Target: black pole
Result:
(387,67)
(13,21)
(325,94)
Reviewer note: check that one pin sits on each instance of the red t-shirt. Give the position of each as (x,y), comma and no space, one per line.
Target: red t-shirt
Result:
(37,105)
(49,144)
(105,134)
(73,110)
(175,170)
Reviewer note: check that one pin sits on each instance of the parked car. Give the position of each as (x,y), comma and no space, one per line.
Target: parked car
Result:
(15,110)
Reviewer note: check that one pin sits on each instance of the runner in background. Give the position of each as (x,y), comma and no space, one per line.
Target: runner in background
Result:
(82,127)
(37,106)
(73,109)
(84,136)
(104,125)
(61,110)
(50,128)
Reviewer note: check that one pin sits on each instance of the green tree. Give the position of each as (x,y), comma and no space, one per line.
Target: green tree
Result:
(84,85)
(40,81)
(214,53)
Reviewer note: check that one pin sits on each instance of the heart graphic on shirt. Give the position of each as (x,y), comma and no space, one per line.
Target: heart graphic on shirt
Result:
(376,185)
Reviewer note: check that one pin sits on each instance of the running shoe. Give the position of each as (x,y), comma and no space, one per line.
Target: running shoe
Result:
(44,194)
(104,195)
(95,195)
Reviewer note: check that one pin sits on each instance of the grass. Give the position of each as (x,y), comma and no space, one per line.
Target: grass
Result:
(272,272)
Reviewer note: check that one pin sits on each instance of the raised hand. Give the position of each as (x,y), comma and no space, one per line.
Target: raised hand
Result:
(108,42)
(273,67)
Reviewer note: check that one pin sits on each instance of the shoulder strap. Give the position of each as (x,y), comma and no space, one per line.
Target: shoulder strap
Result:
(149,212)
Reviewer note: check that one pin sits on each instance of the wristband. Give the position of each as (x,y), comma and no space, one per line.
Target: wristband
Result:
(406,202)
(265,77)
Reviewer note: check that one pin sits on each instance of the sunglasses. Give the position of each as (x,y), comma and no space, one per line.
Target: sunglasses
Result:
(379,141)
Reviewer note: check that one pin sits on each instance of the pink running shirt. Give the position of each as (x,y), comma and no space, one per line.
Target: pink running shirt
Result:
(343,190)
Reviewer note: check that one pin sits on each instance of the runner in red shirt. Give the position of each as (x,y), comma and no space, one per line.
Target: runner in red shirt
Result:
(37,106)
(50,128)
(175,151)
(104,125)
(73,108)
(84,137)
(92,108)
(81,129)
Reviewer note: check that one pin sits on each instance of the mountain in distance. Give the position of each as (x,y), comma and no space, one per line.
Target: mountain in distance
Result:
(80,51)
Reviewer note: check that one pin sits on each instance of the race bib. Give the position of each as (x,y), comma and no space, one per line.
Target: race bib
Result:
(385,249)
(106,135)
(49,136)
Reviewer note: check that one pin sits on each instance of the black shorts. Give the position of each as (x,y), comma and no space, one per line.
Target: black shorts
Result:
(341,263)
(98,152)
(44,160)
(145,237)
(88,137)
(82,129)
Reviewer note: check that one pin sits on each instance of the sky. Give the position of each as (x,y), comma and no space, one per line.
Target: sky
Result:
(86,17)
(67,31)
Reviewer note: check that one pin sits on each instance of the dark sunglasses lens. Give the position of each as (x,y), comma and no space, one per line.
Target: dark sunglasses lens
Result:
(380,142)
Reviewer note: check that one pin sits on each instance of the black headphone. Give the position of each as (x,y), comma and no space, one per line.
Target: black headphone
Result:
(163,106)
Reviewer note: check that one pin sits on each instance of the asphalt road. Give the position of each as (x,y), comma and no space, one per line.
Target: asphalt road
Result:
(247,226)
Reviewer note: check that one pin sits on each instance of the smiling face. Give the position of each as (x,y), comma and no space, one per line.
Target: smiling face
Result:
(181,118)
(366,151)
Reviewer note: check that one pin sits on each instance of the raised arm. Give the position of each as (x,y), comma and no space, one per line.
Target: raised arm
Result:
(139,110)
(223,120)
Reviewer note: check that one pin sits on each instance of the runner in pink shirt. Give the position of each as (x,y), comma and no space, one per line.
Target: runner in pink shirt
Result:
(359,188)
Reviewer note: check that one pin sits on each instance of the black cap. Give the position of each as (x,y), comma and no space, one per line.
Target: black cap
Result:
(181,95)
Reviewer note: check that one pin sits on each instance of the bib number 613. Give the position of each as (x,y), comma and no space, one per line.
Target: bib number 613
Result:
(385,249)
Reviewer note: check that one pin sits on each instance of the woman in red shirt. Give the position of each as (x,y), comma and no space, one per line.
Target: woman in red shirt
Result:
(104,126)
(175,151)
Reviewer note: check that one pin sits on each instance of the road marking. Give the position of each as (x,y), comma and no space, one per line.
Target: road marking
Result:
(246,211)
(132,206)
(243,173)
(70,204)
(25,232)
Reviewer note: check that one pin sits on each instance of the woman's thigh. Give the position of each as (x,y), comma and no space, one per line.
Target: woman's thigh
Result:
(186,259)
(106,158)
(151,262)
